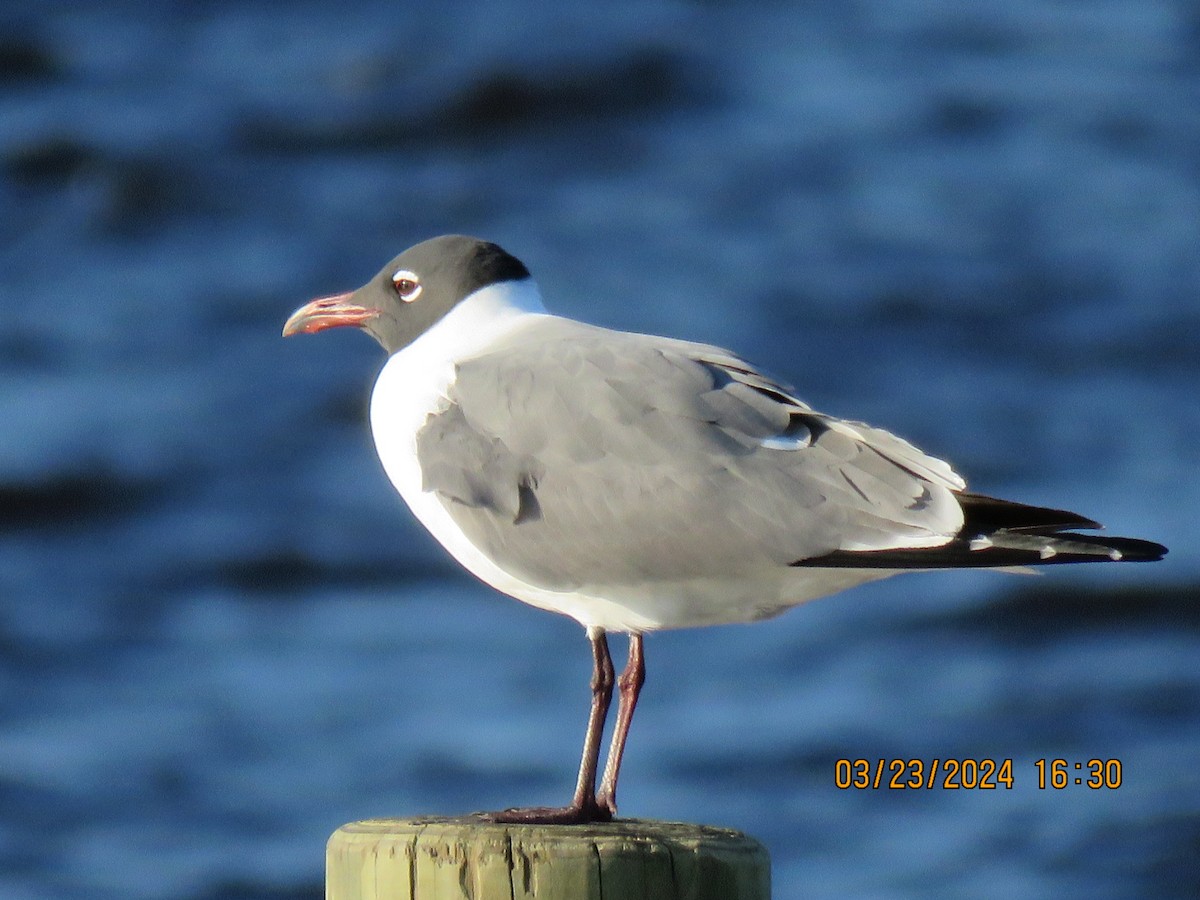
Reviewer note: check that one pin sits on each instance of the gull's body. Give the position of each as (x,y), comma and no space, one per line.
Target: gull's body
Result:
(638,483)
(421,381)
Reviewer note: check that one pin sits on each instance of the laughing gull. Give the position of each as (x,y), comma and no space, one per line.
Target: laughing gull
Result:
(637,483)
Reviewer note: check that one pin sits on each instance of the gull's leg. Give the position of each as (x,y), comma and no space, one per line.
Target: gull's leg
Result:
(584,807)
(602,687)
(630,684)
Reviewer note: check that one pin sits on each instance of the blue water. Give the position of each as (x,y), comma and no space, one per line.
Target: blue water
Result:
(222,635)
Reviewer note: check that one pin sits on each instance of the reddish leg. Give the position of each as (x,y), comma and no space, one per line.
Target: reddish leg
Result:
(584,807)
(630,684)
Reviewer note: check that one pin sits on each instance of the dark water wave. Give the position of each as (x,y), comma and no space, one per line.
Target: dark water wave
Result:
(221,635)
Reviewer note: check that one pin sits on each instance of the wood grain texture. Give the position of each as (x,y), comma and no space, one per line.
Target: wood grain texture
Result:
(467,859)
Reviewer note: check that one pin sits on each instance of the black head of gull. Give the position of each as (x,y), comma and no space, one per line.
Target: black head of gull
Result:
(412,292)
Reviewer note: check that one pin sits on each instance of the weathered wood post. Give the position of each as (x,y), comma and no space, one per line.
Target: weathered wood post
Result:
(465,859)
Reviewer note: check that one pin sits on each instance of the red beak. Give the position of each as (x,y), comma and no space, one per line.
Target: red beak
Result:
(327,312)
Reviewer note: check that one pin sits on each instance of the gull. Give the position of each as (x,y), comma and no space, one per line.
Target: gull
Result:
(638,483)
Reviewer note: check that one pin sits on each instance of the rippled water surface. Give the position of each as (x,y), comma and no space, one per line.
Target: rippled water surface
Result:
(221,633)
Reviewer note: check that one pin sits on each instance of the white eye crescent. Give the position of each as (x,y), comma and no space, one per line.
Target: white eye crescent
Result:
(407,285)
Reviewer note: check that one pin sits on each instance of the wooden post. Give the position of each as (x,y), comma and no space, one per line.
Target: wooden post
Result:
(466,859)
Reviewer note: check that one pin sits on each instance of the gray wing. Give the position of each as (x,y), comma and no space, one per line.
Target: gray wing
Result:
(574,456)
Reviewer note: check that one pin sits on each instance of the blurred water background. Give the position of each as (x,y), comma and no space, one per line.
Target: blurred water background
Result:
(222,634)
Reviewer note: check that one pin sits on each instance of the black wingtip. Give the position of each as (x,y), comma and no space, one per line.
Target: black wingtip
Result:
(983,515)
(1141,551)
(1022,550)
(998,533)
(1042,535)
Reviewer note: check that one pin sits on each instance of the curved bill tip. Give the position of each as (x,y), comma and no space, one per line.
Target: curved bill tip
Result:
(327,312)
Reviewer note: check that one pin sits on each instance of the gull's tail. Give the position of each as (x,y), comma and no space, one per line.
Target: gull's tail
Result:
(998,533)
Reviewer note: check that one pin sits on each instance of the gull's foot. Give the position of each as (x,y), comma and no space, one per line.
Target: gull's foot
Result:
(607,804)
(547,815)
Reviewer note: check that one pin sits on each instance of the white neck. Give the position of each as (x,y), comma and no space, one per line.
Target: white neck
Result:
(476,321)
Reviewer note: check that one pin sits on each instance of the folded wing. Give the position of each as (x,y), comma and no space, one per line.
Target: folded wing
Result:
(577,456)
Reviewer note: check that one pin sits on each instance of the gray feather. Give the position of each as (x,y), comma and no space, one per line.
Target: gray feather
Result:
(582,456)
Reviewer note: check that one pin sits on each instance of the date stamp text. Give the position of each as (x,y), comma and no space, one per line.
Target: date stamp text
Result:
(984,774)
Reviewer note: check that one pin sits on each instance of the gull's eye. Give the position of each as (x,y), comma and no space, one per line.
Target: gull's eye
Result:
(407,285)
